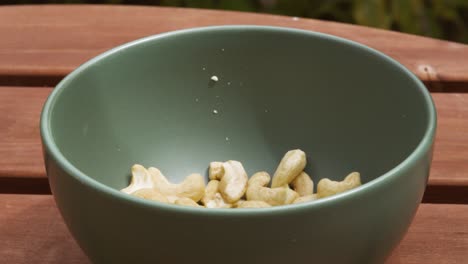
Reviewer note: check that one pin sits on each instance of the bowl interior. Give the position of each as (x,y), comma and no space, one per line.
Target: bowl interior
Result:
(152,102)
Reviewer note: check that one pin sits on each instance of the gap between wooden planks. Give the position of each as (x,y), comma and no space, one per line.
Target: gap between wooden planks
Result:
(22,170)
(46,42)
(32,231)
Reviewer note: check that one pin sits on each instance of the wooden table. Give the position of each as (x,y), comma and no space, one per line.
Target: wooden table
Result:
(41,44)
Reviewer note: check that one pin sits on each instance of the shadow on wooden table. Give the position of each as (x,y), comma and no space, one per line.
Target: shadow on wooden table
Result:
(394,258)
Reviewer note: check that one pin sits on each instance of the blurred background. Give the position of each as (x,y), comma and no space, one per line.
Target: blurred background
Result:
(443,19)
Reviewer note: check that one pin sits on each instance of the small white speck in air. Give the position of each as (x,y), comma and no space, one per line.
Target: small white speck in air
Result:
(196,100)
(215,111)
(204,68)
(222,49)
(295,18)
(266,110)
(214,78)
(229,83)
(227,138)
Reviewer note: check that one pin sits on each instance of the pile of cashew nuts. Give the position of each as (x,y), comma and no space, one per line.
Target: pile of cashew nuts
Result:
(230,187)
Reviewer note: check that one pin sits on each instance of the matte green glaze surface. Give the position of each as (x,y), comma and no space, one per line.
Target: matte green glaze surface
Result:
(152,102)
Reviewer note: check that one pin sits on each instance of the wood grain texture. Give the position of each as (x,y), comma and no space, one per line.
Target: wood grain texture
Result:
(451,147)
(438,234)
(20,142)
(21,152)
(32,231)
(43,43)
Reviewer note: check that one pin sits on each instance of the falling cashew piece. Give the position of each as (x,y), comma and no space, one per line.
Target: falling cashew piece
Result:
(303,184)
(257,190)
(327,187)
(216,170)
(293,163)
(307,198)
(192,187)
(252,204)
(141,179)
(233,184)
(212,198)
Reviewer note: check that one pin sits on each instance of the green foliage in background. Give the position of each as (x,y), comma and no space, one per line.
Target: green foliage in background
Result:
(446,19)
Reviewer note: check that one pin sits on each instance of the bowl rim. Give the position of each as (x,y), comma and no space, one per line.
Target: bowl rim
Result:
(424,145)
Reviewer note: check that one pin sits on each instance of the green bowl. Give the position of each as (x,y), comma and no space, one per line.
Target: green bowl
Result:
(349,107)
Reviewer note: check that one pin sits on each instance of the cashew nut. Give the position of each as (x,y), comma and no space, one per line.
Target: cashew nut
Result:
(229,183)
(327,187)
(233,184)
(212,198)
(150,194)
(306,198)
(261,178)
(252,204)
(293,163)
(186,202)
(192,187)
(141,179)
(272,196)
(210,191)
(216,170)
(303,184)
(291,195)
(256,190)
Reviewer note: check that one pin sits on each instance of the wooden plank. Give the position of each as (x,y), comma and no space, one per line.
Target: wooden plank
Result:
(21,153)
(451,147)
(32,231)
(46,42)
(20,142)
(438,234)
(448,182)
